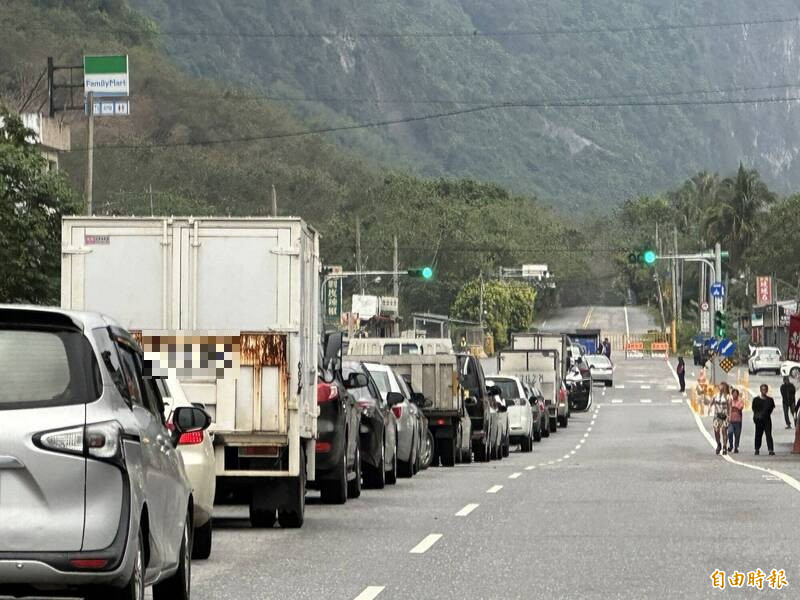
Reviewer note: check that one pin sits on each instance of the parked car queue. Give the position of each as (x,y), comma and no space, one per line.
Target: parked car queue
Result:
(88,422)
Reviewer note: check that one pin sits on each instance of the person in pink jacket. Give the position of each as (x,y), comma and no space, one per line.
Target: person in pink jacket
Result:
(735,425)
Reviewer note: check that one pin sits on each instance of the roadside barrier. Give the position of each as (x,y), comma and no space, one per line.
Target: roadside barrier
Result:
(659,349)
(634,349)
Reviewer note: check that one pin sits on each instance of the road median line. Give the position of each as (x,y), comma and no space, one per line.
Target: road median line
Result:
(370,593)
(494,489)
(426,543)
(466,510)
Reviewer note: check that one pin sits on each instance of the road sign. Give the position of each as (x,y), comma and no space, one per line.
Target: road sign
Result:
(333,299)
(106,76)
(718,289)
(111,107)
(726,364)
(704,306)
(763,290)
(726,348)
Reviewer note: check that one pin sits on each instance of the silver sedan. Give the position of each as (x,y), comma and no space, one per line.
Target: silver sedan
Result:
(601,368)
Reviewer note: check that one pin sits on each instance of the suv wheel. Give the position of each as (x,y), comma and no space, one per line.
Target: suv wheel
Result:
(134,589)
(354,485)
(335,492)
(179,586)
(201,548)
(391,476)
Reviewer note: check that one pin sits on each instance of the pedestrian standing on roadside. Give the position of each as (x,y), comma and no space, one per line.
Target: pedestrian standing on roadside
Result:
(607,348)
(681,371)
(788,396)
(735,426)
(720,407)
(763,406)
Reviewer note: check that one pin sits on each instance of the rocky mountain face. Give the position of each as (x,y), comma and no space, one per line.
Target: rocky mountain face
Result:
(663,84)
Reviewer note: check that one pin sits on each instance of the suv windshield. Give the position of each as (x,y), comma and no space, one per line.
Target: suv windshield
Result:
(46,368)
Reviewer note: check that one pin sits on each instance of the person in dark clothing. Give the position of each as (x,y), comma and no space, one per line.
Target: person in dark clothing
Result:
(607,348)
(681,371)
(788,396)
(763,406)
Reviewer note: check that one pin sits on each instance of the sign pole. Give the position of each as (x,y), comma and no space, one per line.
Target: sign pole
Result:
(90,153)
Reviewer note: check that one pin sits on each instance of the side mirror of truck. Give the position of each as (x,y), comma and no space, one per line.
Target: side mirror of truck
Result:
(355,381)
(332,356)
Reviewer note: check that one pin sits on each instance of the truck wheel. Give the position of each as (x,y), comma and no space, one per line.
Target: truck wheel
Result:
(447,449)
(507,447)
(391,476)
(466,456)
(545,427)
(562,421)
(481,454)
(292,514)
(201,548)
(553,424)
(537,434)
(262,513)
(335,492)
(354,485)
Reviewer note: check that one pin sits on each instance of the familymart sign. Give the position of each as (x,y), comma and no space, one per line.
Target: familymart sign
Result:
(106,76)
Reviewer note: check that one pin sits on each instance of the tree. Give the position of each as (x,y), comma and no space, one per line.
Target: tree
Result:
(736,217)
(508,306)
(32,202)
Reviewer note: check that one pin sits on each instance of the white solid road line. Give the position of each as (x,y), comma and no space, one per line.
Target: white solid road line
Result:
(425,544)
(494,489)
(646,401)
(787,479)
(466,510)
(620,387)
(530,468)
(515,475)
(645,387)
(616,401)
(370,593)
(677,401)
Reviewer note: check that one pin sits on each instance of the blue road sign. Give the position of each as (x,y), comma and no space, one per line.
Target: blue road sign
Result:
(718,290)
(726,348)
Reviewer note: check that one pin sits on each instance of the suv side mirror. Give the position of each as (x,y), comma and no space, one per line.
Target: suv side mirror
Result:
(494,390)
(355,381)
(187,419)
(394,398)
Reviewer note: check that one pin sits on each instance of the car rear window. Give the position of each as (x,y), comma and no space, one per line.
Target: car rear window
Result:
(381,379)
(508,388)
(40,367)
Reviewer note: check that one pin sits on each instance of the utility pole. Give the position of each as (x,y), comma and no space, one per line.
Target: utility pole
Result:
(395,279)
(89,153)
(678,279)
(358,255)
(660,303)
(274,202)
(480,308)
(151,200)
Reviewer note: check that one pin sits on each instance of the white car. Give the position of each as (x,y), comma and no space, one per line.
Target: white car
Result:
(790,368)
(601,368)
(765,359)
(197,451)
(519,412)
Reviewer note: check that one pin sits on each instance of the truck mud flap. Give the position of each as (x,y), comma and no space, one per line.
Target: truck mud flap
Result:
(443,431)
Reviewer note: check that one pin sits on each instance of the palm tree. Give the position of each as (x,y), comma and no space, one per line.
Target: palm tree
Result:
(735,218)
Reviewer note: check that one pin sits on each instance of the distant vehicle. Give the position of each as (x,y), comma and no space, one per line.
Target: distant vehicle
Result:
(338,450)
(541,425)
(790,368)
(419,403)
(541,367)
(378,432)
(408,434)
(520,415)
(480,405)
(765,359)
(398,346)
(501,438)
(197,451)
(601,368)
(97,493)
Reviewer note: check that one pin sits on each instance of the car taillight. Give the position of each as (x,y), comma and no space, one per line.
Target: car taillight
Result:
(441,421)
(326,392)
(98,440)
(398,411)
(323,447)
(191,438)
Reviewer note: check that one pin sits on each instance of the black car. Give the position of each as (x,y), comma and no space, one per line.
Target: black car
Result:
(378,430)
(338,469)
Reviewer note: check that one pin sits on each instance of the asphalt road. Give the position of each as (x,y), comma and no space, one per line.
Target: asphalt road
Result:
(629,501)
(610,319)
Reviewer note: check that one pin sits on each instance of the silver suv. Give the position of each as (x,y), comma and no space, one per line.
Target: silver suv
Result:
(93,495)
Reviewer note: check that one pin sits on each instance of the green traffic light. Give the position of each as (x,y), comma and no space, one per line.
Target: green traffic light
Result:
(649,257)
(427,273)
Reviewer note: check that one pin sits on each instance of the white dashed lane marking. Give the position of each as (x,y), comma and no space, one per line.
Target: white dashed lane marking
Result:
(645,387)
(616,401)
(515,476)
(466,510)
(370,593)
(426,543)
(494,489)
(530,467)
(646,401)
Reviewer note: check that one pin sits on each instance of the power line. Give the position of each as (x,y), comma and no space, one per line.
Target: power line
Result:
(559,31)
(237,95)
(446,114)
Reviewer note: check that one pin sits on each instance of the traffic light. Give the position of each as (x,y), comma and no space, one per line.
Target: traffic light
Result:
(720,324)
(425,273)
(645,256)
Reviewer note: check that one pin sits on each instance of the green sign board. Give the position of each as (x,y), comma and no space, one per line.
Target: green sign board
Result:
(106,75)
(333,299)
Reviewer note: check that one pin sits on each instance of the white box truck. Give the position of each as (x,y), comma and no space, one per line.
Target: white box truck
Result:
(541,367)
(232,305)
